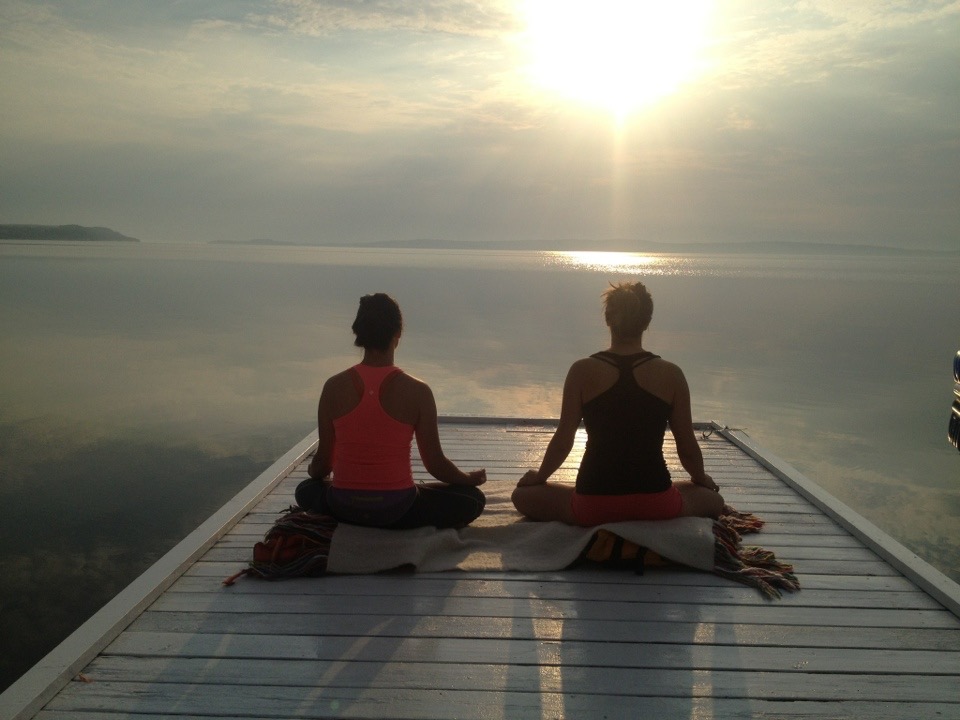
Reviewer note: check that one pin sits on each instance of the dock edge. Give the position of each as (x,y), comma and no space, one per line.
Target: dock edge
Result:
(940,587)
(35,688)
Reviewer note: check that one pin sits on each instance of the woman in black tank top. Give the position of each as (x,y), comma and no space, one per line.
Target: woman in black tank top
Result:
(626,398)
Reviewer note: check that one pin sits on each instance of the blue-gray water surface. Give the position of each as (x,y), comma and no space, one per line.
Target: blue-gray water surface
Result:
(141,385)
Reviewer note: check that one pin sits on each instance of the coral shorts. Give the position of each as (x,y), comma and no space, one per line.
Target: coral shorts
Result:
(592,510)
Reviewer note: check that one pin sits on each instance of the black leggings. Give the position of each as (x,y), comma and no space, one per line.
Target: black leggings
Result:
(437,505)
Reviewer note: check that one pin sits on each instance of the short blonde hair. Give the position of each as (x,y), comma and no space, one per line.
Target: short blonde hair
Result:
(627,309)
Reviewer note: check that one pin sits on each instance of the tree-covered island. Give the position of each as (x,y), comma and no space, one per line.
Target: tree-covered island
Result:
(61,232)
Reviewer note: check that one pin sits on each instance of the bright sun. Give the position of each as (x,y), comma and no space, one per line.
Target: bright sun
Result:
(617,54)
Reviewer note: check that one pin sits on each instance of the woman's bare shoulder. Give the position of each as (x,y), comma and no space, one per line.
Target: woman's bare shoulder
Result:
(587,364)
(666,366)
(408,399)
(672,380)
(410,385)
(340,380)
(665,374)
(409,380)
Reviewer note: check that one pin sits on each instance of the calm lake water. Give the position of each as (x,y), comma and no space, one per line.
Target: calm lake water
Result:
(142,385)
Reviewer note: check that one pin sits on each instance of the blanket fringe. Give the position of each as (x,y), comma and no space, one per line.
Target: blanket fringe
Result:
(753,566)
(742,522)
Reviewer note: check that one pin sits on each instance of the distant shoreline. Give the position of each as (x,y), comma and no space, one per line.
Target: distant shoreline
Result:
(78,234)
(71,233)
(573,245)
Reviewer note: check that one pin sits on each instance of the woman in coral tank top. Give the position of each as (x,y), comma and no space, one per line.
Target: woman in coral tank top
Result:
(367,418)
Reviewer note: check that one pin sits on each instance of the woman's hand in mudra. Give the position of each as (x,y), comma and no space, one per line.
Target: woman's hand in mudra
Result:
(476,477)
(531,477)
(707,482)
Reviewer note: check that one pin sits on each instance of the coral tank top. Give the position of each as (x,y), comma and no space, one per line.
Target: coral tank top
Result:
(371,449)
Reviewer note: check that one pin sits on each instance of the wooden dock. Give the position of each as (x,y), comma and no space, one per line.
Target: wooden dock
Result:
(873,633)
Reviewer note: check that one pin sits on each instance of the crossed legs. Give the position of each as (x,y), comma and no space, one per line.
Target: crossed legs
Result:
(553,501)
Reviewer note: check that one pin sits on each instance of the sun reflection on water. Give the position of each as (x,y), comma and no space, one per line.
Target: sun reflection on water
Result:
(620,262)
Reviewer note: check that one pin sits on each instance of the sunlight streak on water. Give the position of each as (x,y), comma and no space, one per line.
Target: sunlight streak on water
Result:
(620,262)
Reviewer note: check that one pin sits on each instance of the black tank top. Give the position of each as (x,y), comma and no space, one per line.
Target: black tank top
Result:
(625,428)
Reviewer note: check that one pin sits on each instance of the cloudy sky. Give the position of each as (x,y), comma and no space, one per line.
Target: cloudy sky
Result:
(348,121)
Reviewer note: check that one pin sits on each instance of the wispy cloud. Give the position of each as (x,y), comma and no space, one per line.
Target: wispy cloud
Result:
(455,17)
(812,40)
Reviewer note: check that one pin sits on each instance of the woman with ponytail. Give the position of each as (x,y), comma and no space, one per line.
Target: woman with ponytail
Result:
(626,397)
(367,418)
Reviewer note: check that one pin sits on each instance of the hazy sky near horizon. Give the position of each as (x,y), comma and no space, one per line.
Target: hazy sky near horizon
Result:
(348,121)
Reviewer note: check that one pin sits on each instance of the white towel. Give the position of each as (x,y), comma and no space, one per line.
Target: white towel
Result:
(501,540)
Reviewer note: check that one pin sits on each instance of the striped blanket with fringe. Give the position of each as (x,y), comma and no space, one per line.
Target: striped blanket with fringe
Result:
(307,544)
(749,565)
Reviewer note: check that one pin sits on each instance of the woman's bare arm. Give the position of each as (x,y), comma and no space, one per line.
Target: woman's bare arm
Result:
(431,451)
(571,412)
(681,425)
(322,462)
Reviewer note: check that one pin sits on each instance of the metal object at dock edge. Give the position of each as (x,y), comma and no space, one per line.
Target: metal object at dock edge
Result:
(953,429)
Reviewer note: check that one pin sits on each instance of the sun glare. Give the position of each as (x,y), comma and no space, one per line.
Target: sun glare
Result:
(620,55)
(620,262)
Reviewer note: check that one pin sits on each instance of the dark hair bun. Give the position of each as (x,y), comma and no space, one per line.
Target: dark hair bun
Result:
(378,322)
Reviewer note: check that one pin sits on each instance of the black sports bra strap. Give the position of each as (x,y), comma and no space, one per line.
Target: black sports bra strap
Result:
(621,361)
(646,358)
(607,357)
